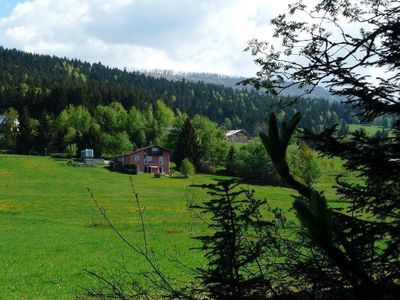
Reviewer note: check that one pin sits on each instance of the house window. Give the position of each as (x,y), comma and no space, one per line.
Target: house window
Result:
(147,159)
(137,157)
(156,151)
(160,160)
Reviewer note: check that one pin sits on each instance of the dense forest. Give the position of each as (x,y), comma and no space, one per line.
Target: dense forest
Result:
(46,84)
(54,97)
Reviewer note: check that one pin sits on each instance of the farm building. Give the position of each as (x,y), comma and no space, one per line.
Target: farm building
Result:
(152,159)
(239,135)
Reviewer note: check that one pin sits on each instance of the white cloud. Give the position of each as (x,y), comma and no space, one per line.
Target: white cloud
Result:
(21,33)
(115,5)
(183,35)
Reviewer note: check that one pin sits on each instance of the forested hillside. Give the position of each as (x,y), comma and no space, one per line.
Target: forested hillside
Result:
(46,84)
(60,103)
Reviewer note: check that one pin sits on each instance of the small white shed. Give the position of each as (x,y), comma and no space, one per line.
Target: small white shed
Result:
(87,153)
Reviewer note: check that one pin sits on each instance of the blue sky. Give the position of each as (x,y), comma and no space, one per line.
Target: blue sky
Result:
(7,6)
(180,35)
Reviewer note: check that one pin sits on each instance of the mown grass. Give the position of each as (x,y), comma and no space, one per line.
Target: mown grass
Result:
(50,230)
(369,129)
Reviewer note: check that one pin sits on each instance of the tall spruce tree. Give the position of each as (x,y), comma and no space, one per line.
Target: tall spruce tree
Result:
(188,145)
(27,132)
(230,160)
(363,239)
(236,245)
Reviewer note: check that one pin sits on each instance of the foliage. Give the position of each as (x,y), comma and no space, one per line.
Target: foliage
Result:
(230,160)
(361,241)
(111,130)
(343,128)
(188,145)
(173,134)
(71,150)
(48,85)
(236,246)
(210,169)
(213,146)
(113,145)
(56,84)
(131,168)
(187,168)
(328,229)
(136,127)
(112,118)
(76,125)
(27,132)
(251,161)
(165,117)
(9,130)
(304,164)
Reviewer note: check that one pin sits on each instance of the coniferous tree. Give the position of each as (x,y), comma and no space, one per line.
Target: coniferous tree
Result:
(230,160)
(362,240)
(236,246)
(49,84)
(27,132)
(188,145)
(343,128)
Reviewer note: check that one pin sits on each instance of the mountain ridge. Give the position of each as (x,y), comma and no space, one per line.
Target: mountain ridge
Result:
(234,82)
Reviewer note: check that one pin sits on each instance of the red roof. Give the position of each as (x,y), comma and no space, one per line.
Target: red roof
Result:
(141,149)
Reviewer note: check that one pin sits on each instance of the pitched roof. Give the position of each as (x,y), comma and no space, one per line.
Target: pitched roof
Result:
(141,149)
(233,132)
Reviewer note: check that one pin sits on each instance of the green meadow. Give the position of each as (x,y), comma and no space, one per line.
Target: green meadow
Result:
(369,129)
(50,229)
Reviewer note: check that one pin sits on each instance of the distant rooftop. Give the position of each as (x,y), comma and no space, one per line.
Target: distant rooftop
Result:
(232,132)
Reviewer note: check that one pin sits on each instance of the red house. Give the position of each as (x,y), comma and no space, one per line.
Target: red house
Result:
(152,159)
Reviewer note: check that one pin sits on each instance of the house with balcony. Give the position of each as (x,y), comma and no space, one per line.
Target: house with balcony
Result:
(153,159)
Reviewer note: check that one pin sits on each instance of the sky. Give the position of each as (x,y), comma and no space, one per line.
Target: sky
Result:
(180,35)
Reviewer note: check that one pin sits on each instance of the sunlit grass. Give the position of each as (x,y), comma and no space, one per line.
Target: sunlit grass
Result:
(50,229)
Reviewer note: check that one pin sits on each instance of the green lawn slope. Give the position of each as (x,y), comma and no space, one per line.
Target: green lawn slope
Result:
(50,230)
(369,129)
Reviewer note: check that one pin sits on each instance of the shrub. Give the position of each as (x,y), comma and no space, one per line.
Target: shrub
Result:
(187,168)
(304,164)
(157,175)
(58,155)
(252,161)
(131,168)
(211,169)
(71,150)
(5,151)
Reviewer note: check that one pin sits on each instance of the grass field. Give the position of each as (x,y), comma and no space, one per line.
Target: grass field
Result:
(51,230)
(369,129)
